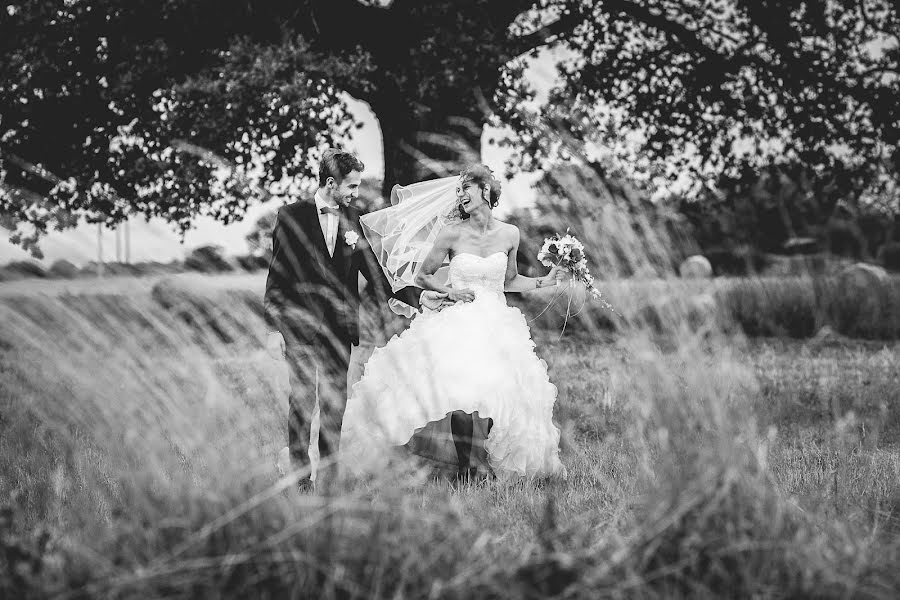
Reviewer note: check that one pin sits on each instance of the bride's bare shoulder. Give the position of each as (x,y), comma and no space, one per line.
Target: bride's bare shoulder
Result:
(453,228)
(509,230)
(450,232)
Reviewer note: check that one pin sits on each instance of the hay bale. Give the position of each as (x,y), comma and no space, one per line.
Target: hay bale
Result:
(863,279)
(861,300)
(695,267)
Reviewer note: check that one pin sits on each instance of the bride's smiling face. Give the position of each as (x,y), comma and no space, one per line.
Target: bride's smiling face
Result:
(470,195)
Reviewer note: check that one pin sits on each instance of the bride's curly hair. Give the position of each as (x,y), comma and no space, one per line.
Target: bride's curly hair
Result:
(483,177)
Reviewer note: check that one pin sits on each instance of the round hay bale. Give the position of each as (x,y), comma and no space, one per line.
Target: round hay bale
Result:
(695,267)
(862,278)
(860,301)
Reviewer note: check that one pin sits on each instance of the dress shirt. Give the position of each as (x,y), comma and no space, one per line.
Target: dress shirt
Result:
(328,221)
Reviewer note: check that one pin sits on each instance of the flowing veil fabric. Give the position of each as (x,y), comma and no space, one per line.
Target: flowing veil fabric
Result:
(402,235)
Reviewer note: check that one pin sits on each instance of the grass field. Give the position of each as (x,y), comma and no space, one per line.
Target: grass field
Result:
(137,453)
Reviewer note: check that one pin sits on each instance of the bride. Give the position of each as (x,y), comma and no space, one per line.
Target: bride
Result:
(469,367)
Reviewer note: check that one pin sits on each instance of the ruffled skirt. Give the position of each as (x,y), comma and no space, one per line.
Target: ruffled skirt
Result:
(477,358)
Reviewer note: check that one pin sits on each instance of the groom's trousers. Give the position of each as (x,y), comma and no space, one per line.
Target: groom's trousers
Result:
(318,373)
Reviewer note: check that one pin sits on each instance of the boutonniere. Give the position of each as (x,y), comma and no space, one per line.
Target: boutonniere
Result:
(350,238)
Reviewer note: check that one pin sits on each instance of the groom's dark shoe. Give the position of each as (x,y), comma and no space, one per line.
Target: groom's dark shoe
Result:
(305,486)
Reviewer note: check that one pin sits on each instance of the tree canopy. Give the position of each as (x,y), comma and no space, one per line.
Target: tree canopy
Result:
(110,108)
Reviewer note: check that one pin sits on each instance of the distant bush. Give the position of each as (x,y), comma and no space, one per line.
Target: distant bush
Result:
(795,307)
(64,269)
(800,307)
(207,259)
(772,306)
(845,239)
(737,262)
(120,269)
(890,256)
(157,268)
(820,264)
(252,262)
(21,269)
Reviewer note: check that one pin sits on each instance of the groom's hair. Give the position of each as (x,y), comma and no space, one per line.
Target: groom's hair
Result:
(338,164)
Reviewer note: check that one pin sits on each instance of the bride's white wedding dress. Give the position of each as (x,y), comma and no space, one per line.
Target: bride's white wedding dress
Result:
(476,356)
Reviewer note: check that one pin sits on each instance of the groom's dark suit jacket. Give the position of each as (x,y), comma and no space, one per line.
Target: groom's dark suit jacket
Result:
(311,296)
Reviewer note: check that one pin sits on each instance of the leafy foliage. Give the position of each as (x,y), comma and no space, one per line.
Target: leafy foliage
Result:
(716,85)
(768,210)
(114,107)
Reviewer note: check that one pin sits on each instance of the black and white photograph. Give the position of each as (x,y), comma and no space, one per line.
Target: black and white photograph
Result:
(473,299)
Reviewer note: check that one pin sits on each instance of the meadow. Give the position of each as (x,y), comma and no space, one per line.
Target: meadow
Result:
(139,425)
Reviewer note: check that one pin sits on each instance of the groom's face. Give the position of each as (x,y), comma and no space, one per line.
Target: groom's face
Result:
(347,190)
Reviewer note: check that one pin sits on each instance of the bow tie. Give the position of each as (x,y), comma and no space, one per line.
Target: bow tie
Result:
(330,209)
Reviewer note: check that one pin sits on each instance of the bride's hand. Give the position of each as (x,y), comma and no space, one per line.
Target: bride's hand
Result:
(556,275)
(461,295)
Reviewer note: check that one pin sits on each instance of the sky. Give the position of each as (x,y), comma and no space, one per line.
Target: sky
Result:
(156,240)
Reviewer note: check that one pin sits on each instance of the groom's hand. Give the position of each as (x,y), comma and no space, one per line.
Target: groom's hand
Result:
(275,345)
(433,301)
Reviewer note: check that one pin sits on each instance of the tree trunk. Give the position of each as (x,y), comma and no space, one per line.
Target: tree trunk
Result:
(421,149)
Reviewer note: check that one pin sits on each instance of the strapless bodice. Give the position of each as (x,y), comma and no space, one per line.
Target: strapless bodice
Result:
(484,275)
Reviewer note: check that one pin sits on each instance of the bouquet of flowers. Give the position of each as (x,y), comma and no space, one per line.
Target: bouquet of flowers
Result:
(567,252)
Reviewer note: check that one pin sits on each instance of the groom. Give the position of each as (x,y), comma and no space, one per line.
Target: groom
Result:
(312,301)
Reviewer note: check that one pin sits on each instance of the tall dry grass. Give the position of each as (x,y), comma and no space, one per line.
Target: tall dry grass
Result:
(139,432)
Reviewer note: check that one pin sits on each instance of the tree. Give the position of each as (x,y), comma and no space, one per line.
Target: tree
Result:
(768,210)
(116,107)
(209,258)
(720,85)
(259,240)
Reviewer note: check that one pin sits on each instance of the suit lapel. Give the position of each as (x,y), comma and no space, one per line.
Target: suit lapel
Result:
(315,239)
(314,230)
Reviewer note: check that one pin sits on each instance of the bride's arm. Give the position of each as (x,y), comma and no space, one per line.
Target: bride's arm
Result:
(520,283)
(425,278)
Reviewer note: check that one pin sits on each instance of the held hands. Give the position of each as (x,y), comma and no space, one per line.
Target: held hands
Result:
(434,301)
(461,296)
(437,301)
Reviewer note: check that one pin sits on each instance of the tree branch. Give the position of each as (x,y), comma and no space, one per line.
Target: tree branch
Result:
(565,24)
(863,15)
(343,25)
(219,161)
(674,31)
(688,38)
